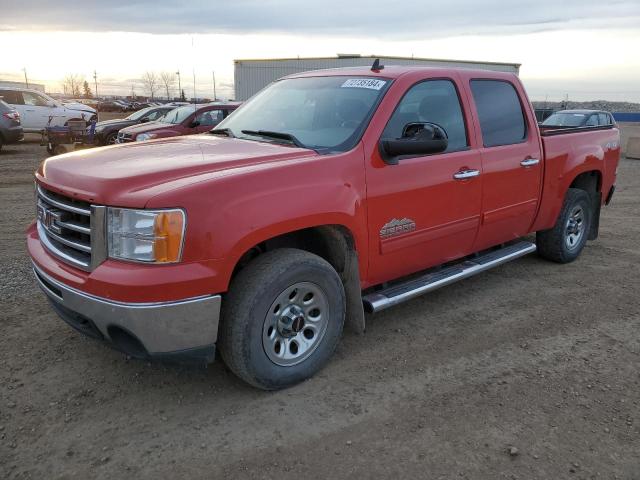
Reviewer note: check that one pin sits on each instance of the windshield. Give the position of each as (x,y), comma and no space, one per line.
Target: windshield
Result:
(565,120)
(178,115)
(322,113)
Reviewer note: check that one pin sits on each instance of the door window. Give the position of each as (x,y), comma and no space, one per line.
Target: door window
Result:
(500,112)
(156,114)
(11,97)
(604,119)
(34,99)
(434,101)
(209,118)
(592,121)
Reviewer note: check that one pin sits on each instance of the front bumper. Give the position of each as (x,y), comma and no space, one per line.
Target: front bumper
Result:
(183,331)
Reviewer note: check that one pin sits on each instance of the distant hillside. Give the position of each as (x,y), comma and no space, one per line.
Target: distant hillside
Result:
(592,105)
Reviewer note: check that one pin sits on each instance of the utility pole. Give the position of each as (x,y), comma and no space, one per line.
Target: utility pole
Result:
(95,79)
(179,86)
(215,97)
(26,80)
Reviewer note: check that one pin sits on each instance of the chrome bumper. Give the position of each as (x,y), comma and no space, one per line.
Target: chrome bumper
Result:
(186,328)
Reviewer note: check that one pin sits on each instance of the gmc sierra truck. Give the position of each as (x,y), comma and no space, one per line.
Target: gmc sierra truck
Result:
(327,195)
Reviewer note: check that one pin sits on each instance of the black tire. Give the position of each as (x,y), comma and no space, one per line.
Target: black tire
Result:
(554,244)
(111,138)
(247,309)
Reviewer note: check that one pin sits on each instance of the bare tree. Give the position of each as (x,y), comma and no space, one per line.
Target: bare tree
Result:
(168,79)
(150,81)
(72,84)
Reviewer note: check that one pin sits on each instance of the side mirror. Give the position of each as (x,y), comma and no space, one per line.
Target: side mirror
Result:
(194,124)
(144,120)
(417,139)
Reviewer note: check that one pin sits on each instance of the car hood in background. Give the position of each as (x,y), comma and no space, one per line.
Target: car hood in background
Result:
(80,107)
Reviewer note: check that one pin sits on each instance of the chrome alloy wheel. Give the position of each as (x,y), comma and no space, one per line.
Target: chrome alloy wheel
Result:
(295,324)
(575,227)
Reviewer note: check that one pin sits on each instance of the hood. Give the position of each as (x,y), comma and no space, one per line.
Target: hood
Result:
(79,106)
(115,122)
(149,127)
(129,175)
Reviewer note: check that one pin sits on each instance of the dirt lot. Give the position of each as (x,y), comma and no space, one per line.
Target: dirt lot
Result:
(532,355)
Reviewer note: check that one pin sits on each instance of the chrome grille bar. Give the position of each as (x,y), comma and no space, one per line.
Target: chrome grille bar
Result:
(72,230)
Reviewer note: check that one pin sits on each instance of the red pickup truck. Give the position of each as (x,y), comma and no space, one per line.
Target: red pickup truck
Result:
(326,195)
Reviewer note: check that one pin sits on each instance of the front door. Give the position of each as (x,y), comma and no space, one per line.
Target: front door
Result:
(426,209)
(207,120)
(36,110)
(511,162)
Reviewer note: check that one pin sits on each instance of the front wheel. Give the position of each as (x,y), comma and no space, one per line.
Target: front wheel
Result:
(111,138)
(564,242)
(282,318)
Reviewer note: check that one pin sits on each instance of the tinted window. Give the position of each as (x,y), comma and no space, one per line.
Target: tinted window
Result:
(500,113)
(434,101)
(210,117)
(592,121)
(12,97)
(604,119)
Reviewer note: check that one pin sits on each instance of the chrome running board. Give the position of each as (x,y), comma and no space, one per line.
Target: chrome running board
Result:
(398,293)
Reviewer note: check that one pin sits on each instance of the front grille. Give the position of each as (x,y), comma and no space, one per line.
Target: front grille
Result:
(125,137)
(70,229)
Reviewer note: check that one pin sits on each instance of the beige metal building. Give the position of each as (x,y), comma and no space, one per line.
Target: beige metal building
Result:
(250,76)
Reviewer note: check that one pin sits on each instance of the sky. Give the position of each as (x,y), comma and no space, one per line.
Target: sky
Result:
(584,49)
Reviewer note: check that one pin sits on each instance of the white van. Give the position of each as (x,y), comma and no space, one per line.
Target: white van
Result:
(36,108)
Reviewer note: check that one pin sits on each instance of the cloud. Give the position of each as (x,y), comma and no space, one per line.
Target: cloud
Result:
(394,18)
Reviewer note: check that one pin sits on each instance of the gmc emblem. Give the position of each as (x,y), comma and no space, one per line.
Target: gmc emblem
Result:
(49,219)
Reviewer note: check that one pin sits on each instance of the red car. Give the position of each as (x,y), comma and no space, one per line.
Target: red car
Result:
(186,120)
(327,194)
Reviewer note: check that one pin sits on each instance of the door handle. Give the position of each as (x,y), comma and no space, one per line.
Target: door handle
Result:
(464,174)
(529,162)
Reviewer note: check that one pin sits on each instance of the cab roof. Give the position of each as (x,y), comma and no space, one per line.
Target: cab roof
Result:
(396,71)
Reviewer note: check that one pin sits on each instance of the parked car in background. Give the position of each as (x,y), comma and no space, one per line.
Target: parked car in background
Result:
(10,127)
(36,108)
(106,133)
(111,106)
(578,118)
(186,120)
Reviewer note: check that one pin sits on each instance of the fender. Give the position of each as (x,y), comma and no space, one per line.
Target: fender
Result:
(561,169)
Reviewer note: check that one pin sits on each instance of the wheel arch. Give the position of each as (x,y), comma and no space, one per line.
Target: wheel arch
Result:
(336,244)
(590,181)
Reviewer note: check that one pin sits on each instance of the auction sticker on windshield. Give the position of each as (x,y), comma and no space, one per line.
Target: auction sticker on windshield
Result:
(371,83)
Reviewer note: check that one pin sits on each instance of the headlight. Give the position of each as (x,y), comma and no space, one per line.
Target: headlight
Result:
(145,136)
(153,236)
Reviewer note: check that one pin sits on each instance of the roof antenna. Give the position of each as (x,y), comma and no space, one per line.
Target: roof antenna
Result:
(376,67)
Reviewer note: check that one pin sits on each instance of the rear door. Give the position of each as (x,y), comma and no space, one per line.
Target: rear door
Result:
(511,160)
(37,112)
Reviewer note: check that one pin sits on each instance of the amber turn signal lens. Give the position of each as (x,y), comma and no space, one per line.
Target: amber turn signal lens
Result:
(168,230)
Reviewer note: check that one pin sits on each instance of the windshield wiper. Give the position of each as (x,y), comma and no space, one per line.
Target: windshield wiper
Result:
(222,131)
(277,135)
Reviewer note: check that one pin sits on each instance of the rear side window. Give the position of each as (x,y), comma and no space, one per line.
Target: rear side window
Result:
(592,121)
(434,101)
(12,97)
(604,119)
(500,113)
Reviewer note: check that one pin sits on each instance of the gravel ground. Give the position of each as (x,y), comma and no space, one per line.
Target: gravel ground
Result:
(528,371)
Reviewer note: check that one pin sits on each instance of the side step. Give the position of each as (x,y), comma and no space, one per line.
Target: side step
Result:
(393,295)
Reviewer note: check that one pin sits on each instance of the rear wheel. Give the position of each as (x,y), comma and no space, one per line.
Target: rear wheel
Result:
(564,242)
(282,318)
